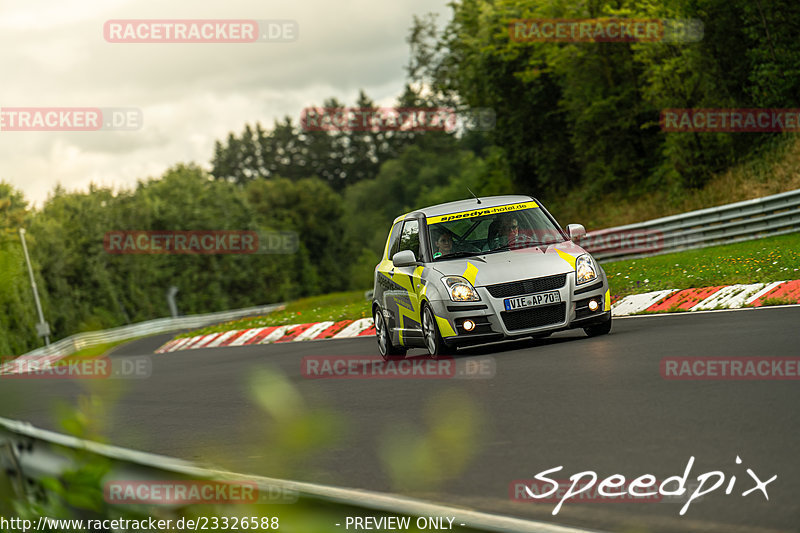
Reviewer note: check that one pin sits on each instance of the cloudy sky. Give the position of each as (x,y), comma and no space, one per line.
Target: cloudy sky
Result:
(53,54)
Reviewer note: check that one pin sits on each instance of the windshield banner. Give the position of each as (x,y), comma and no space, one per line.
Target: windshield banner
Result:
(481,212)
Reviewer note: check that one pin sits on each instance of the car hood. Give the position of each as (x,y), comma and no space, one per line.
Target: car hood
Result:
(513,265)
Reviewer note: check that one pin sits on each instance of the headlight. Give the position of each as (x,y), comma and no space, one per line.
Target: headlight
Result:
(460,290)
(585,269)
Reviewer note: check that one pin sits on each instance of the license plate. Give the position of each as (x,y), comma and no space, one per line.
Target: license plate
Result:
(532,300)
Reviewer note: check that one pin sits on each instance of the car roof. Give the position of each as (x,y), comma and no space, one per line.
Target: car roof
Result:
(468,205)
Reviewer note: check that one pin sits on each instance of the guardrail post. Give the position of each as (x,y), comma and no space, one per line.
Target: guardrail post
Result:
(173,306)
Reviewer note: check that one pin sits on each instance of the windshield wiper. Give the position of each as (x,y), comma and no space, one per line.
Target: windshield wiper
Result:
(455,255)
(517,246)
(499,249)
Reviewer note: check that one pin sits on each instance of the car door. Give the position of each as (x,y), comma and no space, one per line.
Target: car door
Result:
(403,298)
(383,276)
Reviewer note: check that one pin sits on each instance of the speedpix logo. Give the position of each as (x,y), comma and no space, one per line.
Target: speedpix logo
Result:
(481,212)
(617,486)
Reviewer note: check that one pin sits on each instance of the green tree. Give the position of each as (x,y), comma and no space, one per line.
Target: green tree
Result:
(17,312)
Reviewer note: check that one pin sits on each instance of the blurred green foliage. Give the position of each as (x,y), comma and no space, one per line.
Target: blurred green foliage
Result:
(292,433)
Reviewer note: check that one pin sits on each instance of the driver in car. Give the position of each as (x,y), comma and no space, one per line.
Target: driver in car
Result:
(444,244)
(509,234)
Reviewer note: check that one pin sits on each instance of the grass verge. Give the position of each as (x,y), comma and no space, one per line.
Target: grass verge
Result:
(336,306)
(758,261)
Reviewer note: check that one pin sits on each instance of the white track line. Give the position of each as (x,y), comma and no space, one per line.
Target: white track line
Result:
(689,313)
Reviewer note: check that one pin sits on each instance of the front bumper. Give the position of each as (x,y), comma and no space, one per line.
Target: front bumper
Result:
(493,322)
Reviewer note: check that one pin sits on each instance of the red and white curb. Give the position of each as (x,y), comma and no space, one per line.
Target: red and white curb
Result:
(43,362)
(267,335)
(705,298)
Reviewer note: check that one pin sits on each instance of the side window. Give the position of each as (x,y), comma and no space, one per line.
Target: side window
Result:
(394,239)
(409,239)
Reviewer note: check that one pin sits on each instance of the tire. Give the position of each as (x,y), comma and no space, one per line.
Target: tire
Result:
(430,332)
(388,351)
(600,329)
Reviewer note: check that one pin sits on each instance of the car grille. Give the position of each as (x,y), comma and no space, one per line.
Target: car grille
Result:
(527,286)
(534,318)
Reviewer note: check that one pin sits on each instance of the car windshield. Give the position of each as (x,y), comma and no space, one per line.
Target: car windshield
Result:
(485,233)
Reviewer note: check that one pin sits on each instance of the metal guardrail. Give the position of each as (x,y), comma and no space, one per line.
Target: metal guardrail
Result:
(75,342)
(29,455)
(741,221)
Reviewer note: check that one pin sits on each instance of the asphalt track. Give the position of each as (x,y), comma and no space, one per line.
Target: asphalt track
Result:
(596,404)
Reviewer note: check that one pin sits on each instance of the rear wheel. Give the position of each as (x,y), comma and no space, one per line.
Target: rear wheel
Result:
(433,339)
(600,329)
(388,351)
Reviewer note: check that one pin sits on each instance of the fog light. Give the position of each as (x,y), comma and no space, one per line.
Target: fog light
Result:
(593,305)
(469,325)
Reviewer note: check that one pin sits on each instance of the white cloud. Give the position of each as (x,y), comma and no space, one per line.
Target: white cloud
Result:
(54,54)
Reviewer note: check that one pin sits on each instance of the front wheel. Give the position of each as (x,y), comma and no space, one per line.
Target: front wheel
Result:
(388,351)
(433,339)
(600,329)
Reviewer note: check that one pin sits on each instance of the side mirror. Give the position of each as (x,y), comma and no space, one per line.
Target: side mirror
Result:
(404,258)
(575,230)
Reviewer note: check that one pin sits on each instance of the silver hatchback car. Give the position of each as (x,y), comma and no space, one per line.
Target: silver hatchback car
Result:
(482,270)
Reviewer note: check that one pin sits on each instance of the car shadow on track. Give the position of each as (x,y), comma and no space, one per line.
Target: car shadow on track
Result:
(509,345)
